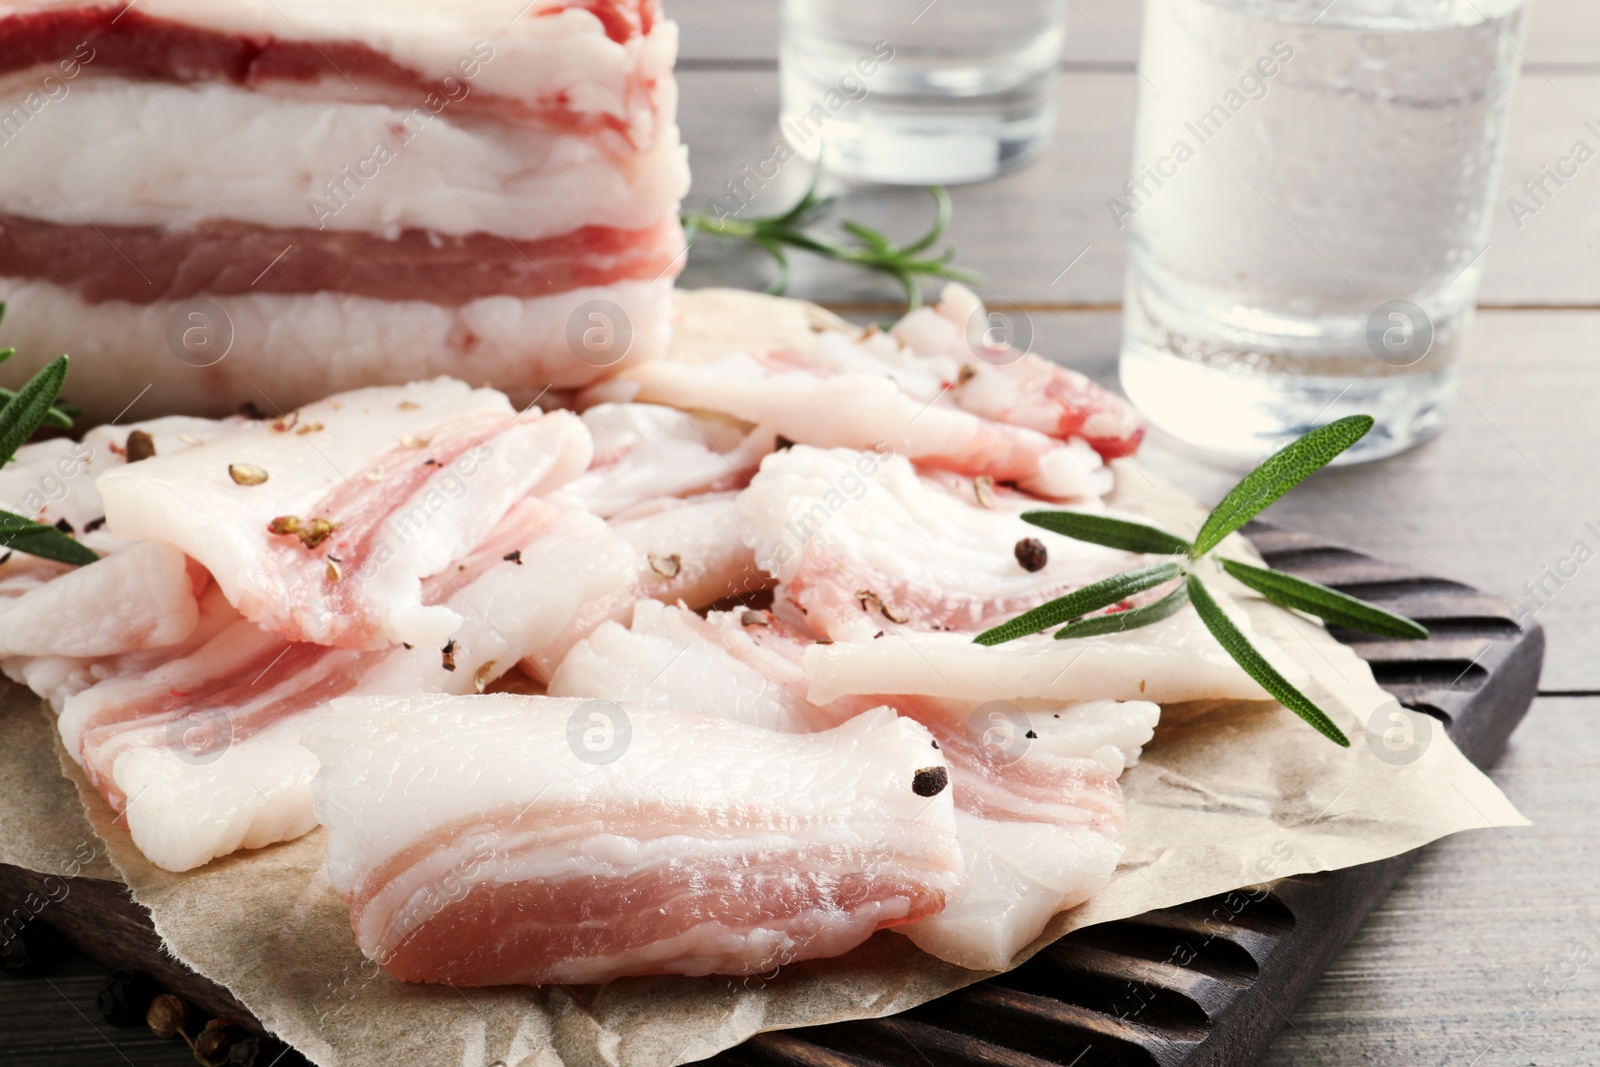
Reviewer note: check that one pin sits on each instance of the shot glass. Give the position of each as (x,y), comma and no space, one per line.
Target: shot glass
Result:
(914,92)
(1309,212)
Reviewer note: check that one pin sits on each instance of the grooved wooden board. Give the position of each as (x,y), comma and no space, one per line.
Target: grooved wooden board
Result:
(1207,983)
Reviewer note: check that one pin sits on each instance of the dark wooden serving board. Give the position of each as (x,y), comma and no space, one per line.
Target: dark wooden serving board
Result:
(1111,995)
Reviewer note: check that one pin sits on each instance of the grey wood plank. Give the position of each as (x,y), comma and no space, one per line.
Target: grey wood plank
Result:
(1098,31)
(1502,494)
(1024,229)
(1487,952)
(49,1019)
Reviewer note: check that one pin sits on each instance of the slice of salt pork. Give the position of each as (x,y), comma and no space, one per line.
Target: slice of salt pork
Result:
(320,525)
(506,839)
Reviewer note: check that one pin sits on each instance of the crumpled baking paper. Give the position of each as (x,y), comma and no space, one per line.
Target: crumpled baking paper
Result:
(1229,794)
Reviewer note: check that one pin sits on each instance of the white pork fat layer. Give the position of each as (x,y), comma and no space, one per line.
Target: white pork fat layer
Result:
(188,154)
(304,347)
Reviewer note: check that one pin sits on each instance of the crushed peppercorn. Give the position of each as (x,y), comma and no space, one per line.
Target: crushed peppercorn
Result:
(247,474)
(483,675)
(311,534)
(447,655)
(930,781)
(514,556)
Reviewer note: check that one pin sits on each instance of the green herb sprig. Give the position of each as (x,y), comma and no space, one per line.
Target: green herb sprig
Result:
(868,249)
(21,415)
(1272,479)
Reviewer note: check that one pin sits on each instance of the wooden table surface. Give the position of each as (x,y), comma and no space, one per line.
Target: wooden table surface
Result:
(1486,952)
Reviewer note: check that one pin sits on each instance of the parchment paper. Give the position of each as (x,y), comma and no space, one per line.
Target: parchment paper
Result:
(1227,795)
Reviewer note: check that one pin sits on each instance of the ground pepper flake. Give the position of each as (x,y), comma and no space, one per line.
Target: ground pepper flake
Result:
(447,655)
(871,601)
(666,566)
(311,534)
(930,781)
(484,675)
(247,474)
(983,489)
(513,557)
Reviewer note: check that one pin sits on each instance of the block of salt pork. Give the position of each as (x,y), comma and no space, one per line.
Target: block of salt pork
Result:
(505,839)
(225,198)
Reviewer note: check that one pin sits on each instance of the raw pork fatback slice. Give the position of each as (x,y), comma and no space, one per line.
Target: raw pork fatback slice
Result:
(320,525)
(1038,808)
(504,839)
(200,751)
(932,392)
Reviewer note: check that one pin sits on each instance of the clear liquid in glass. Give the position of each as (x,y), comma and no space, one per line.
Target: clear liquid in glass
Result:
(1308,213)
(912,92)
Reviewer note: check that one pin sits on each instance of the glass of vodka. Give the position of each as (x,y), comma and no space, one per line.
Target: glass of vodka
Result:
(1309,212)
(915,92)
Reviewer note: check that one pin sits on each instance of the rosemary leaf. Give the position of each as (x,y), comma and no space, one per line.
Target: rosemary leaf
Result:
(36,539)
(1113,533)
(1255,664)
(869,249)
(1080,602)
(1122,621)
(23,413)
(1289,592)
(58,417)
(1278,474)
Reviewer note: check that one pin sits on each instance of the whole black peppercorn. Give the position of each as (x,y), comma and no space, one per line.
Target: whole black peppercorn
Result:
(31,949)
(930,781)
(124,998)
(140,446)
(212,1044)
(1032,554)
(168,1015)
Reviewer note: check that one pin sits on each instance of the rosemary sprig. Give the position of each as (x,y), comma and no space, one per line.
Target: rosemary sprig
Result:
(1272,479)
(22,413)
(868,249)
